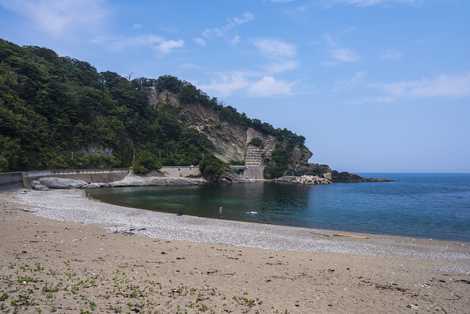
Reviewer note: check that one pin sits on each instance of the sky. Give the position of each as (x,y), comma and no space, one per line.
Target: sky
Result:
(374,85)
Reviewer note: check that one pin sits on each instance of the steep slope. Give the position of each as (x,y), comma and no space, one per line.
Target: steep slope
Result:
(232,134)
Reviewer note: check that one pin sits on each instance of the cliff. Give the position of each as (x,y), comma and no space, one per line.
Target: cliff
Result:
(235,138)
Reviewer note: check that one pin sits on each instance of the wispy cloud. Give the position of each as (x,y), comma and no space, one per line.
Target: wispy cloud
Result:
(200,41)
(276,48)
(249,83)
(155,42)
(344,55)
(369,3)
(269,86)
(226,84)
(235,40)
(305,7)
(224,30)
(59,18)
(441,86)
(281,66)
(445,85)
(281,55)
(339,54)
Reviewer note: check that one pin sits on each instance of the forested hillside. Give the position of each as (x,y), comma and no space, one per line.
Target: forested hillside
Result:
(59,112)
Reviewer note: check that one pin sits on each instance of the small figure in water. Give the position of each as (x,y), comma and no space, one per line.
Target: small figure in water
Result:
(220,210)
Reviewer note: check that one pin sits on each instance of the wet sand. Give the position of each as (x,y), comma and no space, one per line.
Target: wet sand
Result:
(61,251)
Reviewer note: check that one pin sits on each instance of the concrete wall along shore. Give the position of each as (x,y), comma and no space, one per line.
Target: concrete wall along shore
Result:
(88,175)
(10,180)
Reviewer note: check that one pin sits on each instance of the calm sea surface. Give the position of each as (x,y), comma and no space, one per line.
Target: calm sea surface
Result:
(422,205)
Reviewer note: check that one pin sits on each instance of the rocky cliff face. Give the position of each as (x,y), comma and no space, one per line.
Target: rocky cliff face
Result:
(231,140)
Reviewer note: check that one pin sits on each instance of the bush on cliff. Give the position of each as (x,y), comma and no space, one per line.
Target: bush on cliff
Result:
(145,162)
(256,141)
(279,163)
(212,168)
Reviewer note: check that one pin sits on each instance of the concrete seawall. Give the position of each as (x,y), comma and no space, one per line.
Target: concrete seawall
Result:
(88,175)
(10,180)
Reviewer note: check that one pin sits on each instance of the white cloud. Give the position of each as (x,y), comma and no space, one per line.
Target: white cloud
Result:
(59,18)
(274,48)
(344,55)
(269,86)
(391,55)
(166,46)
(439,86)
(160,44)
(227,27)
(227,84)
(248,83)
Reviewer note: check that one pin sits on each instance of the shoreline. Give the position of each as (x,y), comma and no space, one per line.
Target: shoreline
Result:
(76,206)
(62,252)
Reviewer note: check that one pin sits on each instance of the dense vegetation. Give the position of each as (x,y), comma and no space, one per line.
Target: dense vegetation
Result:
(257,142)
(59,112)
(212,168)
(279,163)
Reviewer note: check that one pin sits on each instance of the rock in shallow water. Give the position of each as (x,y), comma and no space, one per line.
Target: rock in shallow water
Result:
(36,185)
(309,180)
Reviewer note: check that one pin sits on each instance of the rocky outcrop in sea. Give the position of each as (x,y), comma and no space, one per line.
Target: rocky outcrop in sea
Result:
(305,179)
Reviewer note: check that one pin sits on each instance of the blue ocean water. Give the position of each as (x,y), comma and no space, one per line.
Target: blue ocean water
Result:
(421,205)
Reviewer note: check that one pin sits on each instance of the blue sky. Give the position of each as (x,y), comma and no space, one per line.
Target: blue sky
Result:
(374,85)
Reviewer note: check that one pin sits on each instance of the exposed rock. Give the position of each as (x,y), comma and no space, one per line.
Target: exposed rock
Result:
(230,140)
(334,176)
(62,183)
(308,180)
(346,177)
(97,185)
(377,180)
(36,185)
(134,180)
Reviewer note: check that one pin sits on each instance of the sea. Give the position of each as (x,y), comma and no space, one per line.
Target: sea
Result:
(424,205)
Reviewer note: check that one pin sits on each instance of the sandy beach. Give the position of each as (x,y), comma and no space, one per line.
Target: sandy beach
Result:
(62,252)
